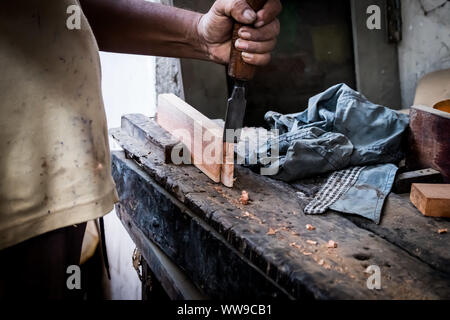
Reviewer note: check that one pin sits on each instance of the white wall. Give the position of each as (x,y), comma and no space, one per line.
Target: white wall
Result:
(128,84)
(426,43)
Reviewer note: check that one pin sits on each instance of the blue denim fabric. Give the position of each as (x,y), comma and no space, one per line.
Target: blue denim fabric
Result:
(366,197)
(340,128)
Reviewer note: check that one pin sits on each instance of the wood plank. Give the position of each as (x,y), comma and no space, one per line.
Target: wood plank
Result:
(219,270)
(201,135)
(403,225)
(286,256)
(227,173)
(433,200)
(146,129)
(404,181)
(174,280)
(429,140)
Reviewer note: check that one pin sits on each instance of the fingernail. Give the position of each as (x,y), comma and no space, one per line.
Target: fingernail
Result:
(259,24)
(241,44)
(249,14)
(244,34)
(247,55)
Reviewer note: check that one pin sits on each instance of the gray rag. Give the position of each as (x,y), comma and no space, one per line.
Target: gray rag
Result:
(347,138)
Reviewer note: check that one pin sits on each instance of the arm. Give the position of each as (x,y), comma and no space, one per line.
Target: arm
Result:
(141,27)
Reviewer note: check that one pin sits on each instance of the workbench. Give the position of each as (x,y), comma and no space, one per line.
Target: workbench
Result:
(262,250)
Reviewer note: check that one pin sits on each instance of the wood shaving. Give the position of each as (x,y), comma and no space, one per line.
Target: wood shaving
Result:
(321,262)
(244,198)
(332,244)
(442,231)
(310,227)
(295,245)
(253,217)
(271,232)
(314,243)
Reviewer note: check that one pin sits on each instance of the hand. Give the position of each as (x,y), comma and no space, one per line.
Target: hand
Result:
(256,40)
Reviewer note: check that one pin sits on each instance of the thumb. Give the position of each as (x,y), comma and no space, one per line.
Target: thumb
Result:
(238,9)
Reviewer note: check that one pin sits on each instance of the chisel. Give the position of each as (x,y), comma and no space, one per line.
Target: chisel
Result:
(241,72)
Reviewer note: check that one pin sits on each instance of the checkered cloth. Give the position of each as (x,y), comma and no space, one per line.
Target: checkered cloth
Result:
(337,184)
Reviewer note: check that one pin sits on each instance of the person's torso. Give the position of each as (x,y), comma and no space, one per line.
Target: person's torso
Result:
(52,123)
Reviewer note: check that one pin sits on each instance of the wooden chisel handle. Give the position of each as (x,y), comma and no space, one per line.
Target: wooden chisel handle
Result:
(237,68)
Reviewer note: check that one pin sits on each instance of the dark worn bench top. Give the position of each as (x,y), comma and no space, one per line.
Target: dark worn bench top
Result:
(226,248)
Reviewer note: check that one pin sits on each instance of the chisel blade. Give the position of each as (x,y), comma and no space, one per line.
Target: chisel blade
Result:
(234,119)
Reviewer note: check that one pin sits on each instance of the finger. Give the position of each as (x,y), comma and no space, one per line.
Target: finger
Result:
(268,32)
(254,46)
(238,9)
(268,13)
(256,58)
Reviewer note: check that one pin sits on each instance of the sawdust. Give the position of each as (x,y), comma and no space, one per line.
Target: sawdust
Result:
(252,217)
(231,200)
(244,199)
(332,244)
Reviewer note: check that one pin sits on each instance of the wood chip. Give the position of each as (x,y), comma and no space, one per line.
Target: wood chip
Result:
(307,253)
(321,262)
(271,232)
(310,227)
(244,197)
(294,245)
(442,231)
(314,243)
(332,244)
(253,217)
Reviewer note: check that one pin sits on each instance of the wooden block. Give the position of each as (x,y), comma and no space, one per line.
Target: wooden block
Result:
(202,136)
(404,181)
(429,140)
(433,200)
(146,129)
(227,174)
